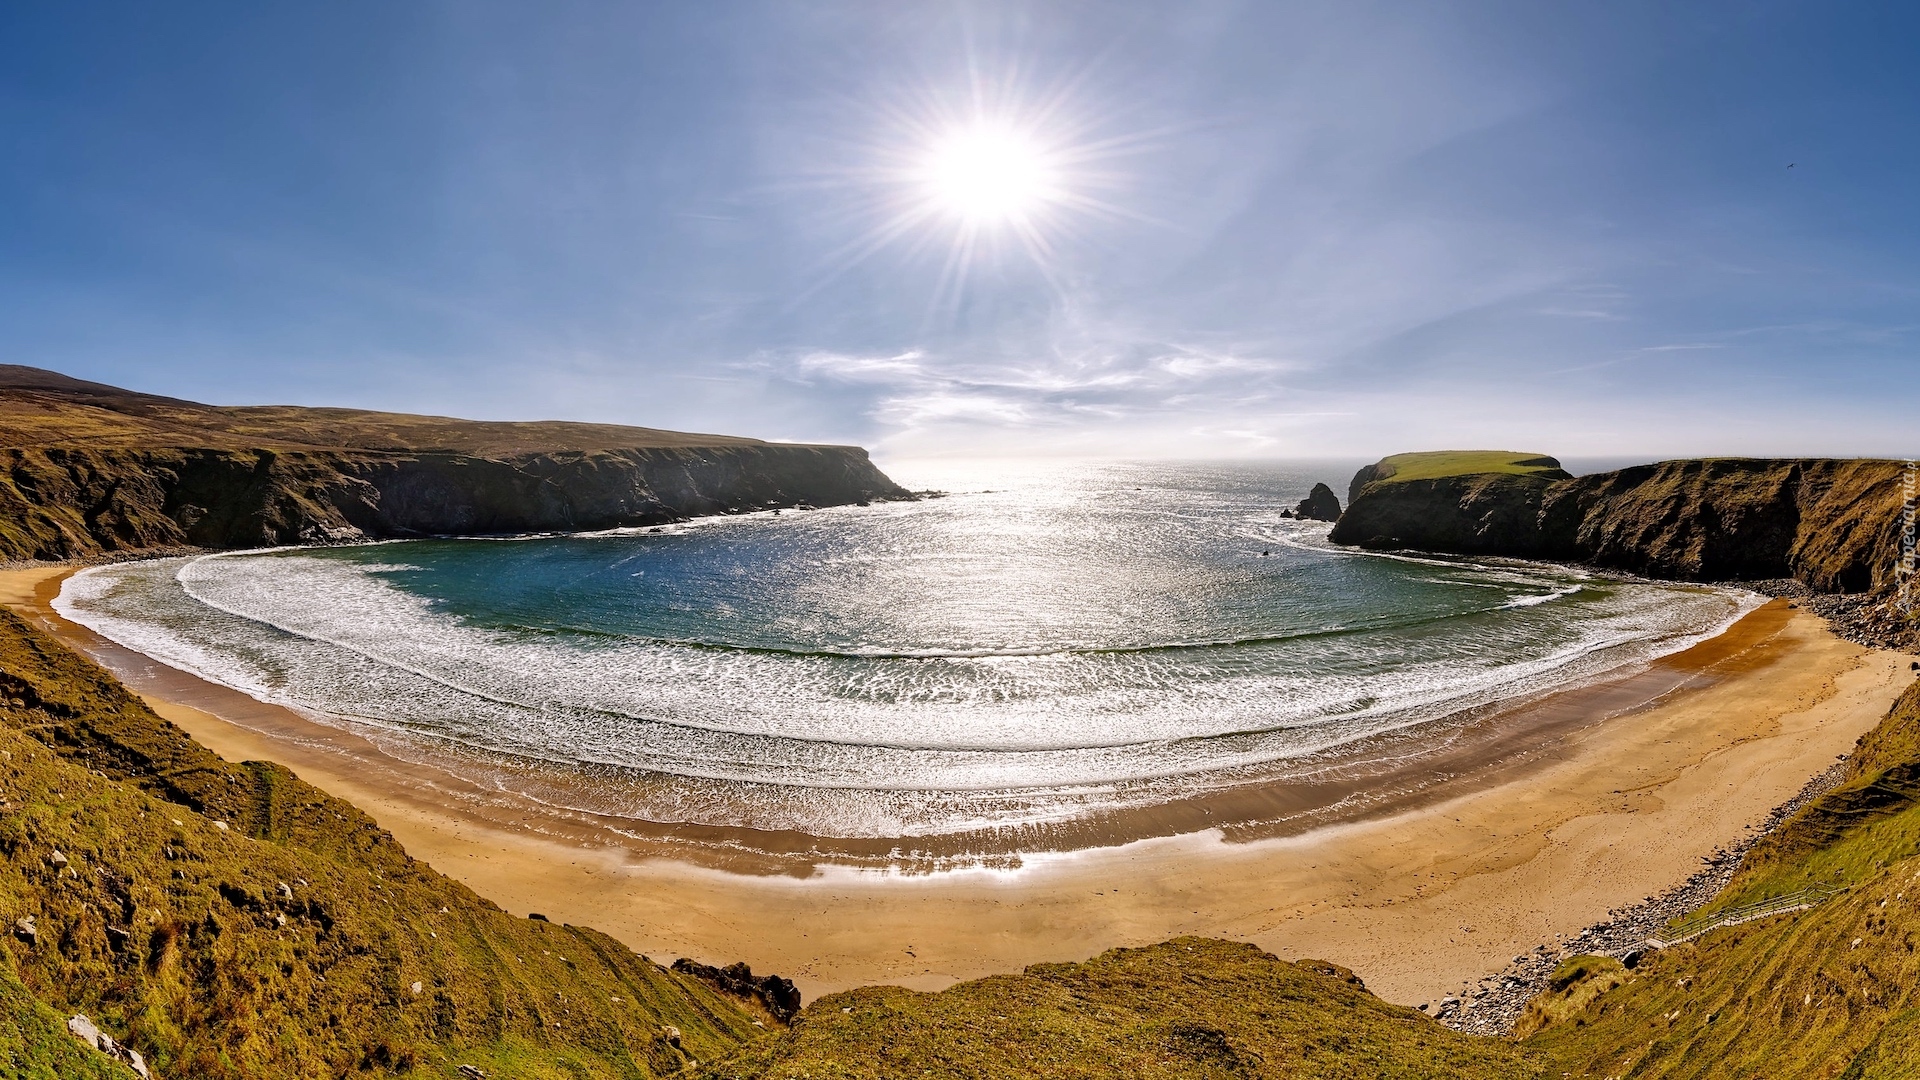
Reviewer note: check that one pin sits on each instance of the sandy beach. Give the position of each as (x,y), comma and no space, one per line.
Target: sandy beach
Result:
(1418,900)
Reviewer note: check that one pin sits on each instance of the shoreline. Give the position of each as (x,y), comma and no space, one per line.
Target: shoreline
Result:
(1398,768)
(1595,816)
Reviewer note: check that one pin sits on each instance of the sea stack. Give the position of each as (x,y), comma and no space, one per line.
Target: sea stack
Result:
(1321,504)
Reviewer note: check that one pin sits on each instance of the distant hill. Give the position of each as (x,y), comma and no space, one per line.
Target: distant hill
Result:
(93,469)
(45,408)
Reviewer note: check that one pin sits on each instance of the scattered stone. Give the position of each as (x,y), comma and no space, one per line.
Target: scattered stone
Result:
(285,890)
(57,860)
(221,825)
(471,1072)
(415,988)
(25,930)
(1875,621)
(88,1032)
(670,1033)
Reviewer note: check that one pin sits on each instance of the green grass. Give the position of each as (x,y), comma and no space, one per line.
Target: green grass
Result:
(1188,1009)
(34,1044)
(291,941)
(1574,984)
(1435,464)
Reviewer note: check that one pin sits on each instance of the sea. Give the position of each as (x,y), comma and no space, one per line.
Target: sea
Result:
(1040,643)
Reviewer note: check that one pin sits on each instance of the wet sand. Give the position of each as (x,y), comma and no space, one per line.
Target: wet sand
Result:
(1429,888)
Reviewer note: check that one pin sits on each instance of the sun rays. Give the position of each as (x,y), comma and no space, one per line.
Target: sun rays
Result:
(990,172)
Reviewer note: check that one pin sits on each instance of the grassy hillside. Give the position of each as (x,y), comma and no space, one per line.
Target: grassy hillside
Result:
(1188,1009)
(231,921)
(34,1044)
(1830,992)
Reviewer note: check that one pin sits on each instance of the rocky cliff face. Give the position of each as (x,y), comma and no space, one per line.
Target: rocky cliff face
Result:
(1831,524)
(92,469)
(58,503)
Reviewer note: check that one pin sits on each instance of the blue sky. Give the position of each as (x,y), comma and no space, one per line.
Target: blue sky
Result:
(1271,229)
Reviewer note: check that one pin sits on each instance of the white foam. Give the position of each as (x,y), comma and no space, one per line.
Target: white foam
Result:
(891,736)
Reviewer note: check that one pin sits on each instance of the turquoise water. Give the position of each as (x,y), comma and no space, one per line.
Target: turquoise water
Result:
(1043,644)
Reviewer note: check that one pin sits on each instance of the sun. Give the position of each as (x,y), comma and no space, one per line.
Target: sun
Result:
(988,174)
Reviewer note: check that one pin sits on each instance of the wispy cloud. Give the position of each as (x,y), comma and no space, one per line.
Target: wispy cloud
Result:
(915,395)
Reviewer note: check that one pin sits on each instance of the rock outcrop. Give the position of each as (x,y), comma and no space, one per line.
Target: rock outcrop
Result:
(1832,524)
(90,469)
(775,993)
(1321,504)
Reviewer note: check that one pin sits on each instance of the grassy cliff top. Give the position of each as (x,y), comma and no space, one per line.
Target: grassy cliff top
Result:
(1186,1009)
(44,408)
(1433,464)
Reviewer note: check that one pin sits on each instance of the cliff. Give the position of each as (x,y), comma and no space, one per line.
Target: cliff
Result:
(1832,524)
(91,469)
